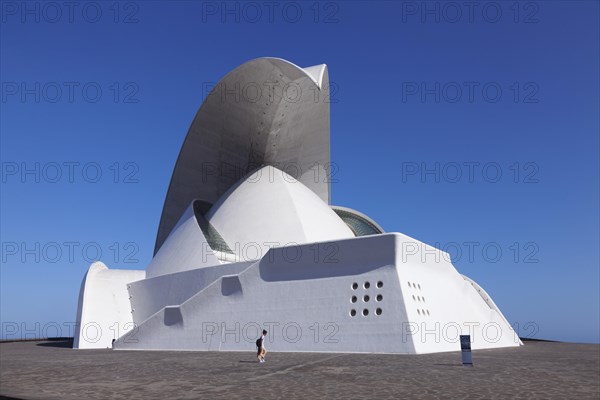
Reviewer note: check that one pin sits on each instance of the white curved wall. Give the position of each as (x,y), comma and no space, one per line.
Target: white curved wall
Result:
(104,310)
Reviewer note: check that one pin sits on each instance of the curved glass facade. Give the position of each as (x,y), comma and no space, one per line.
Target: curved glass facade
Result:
(360,224)
(213,237)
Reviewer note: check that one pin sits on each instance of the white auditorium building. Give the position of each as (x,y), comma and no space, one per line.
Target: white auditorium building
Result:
(248,240)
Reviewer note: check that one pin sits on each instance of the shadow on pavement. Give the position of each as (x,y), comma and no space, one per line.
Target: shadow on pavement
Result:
(68,344)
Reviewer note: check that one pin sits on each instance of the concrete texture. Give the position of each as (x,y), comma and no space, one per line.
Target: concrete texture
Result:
(52,370)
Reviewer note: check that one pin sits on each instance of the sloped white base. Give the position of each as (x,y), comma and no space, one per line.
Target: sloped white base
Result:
(303,295)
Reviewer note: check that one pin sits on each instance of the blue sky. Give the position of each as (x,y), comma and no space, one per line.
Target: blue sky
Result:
(472,129)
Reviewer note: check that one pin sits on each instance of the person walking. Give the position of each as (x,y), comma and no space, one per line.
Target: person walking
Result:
(260,344)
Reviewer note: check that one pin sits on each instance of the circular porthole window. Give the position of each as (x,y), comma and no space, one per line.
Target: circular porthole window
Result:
(418,311)
(354,299)
(352,313)
(379,297)
(367,285)
(378,311)
(355,286)
(365,312)
(419,285)
(379,284)
(366,298)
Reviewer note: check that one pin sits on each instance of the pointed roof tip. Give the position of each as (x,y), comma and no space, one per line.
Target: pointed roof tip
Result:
(316,73)
(272,172)
(268,173)
(97,266)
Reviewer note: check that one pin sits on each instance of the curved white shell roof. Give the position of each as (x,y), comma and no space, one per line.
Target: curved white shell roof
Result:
(236,131)
(272,209)
(185,248)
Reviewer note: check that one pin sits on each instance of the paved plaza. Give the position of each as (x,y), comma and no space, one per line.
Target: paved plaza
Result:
(52,370)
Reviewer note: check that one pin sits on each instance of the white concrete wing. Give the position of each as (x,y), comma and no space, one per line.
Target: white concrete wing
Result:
(266,111)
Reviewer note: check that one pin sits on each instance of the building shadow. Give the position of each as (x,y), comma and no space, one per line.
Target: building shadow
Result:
(58,342)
